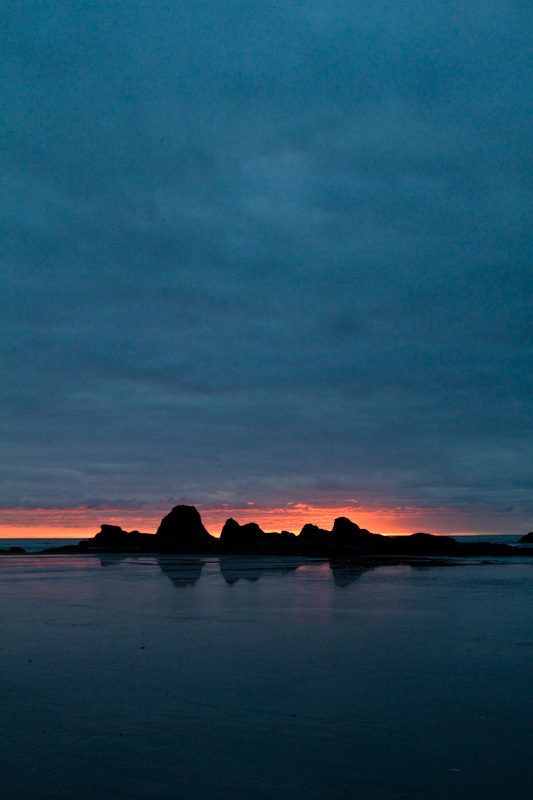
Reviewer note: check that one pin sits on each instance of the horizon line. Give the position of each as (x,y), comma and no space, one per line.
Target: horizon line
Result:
(84,522)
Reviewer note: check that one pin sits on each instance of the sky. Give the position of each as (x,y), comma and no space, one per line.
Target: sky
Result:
(269,259)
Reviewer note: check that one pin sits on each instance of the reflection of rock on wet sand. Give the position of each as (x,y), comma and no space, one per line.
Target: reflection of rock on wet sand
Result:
(233,568)
(187,570)
(182,572)
(346,572)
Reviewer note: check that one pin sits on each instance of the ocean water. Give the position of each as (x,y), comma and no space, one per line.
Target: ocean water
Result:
(182,678)
(34,545)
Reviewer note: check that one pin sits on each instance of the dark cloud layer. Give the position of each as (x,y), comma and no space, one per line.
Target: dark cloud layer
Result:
(272,251)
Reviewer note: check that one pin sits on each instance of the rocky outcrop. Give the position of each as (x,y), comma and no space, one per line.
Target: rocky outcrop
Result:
(422,544)
(182,531)
(113,538)
(346,533)
(251,537)
(234,535)
(287,536)
(313,534)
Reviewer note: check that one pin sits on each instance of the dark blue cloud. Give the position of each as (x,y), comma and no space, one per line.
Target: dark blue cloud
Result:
(280,250)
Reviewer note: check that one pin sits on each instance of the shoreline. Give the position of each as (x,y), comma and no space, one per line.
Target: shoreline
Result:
(451,554)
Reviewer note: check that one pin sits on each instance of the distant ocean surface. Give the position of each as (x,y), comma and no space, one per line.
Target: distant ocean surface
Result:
(35,545)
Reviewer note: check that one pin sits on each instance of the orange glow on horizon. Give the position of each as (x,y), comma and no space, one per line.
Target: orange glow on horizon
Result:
(71,523)
(81,523)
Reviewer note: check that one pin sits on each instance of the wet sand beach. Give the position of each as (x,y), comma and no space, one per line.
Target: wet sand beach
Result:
(189,677)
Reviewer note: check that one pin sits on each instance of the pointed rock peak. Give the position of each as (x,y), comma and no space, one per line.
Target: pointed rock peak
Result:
(187,515)
(183,523)
(230,526)
(313,533)
(252,527)
(345,524)
(309,528)
(235,535)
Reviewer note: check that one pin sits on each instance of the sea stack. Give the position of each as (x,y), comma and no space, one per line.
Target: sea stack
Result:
(112,537)
(250,536)
(235,535)
(182,531)
(347,533)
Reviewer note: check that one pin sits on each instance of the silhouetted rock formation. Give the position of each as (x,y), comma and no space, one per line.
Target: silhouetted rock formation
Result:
(110,533)
(422,544)
(346,533)
(113,538)
(287,536)
(313,534)
(234,535)
(250,537)
(425,544)
(182,531)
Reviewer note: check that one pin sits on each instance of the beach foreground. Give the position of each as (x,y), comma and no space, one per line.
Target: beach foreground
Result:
(187,677)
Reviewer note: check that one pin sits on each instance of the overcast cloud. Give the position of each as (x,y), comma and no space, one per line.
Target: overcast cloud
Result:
(268,251)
